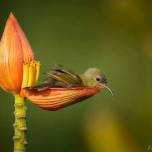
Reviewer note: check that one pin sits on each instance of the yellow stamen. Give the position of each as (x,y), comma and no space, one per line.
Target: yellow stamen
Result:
(37,71)
(30,73)
(25,75)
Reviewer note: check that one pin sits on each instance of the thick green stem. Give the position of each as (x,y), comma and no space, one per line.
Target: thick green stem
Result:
(20,125)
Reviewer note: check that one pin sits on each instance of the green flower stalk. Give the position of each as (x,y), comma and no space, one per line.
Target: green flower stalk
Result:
(20,124)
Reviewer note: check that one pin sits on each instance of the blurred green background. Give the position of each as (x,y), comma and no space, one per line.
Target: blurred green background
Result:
(113,35)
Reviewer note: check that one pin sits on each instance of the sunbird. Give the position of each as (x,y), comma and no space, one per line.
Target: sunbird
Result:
(59,77)
(63,87)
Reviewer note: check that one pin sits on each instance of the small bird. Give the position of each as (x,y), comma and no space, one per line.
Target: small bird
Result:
(64,87)
(59,77)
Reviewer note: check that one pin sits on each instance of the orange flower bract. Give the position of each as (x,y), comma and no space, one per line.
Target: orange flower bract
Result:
(56,98)
(15,50)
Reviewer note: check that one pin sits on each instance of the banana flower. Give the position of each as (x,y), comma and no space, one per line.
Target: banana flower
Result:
(19,72)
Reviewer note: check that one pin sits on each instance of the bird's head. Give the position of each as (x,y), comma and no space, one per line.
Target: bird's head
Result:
(94,77)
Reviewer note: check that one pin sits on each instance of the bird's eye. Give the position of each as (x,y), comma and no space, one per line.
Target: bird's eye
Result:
(98,79)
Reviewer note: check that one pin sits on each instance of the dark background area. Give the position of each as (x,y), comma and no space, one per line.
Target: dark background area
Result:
(113,35)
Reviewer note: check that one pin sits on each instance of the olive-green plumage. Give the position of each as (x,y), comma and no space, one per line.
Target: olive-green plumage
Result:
(93,77)
(61,77)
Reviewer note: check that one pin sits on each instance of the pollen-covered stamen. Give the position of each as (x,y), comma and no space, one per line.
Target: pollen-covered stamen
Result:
(30,73)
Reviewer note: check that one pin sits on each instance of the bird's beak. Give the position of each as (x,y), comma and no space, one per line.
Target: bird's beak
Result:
(106,87)
(109,90)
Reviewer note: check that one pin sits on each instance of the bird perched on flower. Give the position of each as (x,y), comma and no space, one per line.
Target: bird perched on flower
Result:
(59,77)
(64,87)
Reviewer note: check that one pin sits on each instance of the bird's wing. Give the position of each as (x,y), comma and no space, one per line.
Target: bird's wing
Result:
(65,77)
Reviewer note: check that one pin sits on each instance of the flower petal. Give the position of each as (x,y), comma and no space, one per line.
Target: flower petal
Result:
(14,51)
(56,98)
